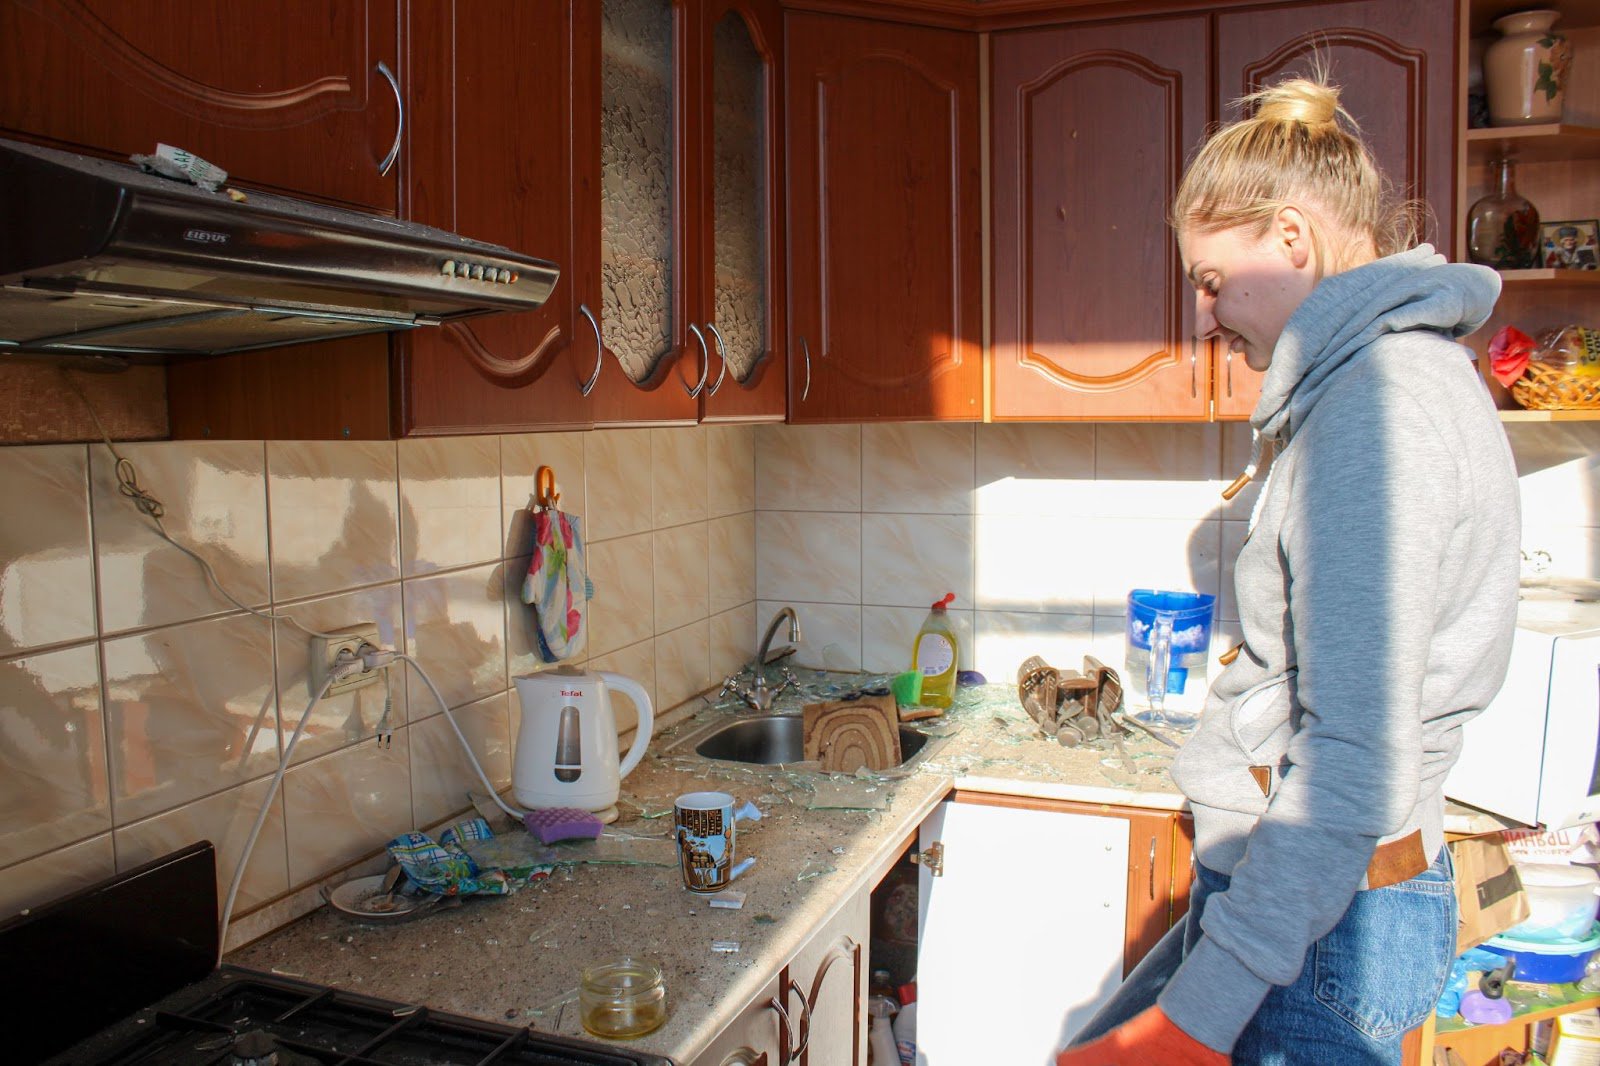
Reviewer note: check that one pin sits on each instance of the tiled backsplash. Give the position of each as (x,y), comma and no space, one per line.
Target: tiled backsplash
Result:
(140,711)
(1041,529)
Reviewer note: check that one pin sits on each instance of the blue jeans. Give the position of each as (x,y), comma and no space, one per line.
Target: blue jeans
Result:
(1373,978)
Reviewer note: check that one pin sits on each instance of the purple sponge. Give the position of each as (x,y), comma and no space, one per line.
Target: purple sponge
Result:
(551,824)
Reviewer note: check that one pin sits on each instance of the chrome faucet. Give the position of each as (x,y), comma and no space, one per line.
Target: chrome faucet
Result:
(760,694)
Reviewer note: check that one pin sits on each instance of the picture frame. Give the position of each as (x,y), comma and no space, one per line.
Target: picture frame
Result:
(1573,244)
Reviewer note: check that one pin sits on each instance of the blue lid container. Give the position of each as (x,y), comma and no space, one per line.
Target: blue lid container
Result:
(1550,963)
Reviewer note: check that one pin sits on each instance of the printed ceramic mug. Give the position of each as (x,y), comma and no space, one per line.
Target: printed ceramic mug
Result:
(705,825)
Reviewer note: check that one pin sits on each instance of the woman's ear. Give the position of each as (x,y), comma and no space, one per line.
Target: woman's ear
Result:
(1292,231)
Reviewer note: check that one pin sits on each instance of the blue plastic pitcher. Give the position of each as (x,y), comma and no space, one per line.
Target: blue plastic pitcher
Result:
(1169,644)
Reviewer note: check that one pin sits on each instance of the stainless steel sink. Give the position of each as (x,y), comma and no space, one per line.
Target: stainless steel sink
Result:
(779,738)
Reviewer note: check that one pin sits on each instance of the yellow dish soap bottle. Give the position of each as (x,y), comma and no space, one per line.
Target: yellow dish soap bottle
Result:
(936,654)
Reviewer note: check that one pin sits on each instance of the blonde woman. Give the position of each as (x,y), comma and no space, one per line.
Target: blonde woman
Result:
(1377,593)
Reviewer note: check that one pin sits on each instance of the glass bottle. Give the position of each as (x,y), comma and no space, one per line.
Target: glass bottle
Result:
(1503,227)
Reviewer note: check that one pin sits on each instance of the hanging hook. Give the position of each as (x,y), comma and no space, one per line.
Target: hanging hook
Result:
(544,492)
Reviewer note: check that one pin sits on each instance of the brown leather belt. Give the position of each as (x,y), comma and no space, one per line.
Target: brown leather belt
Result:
(1398,860)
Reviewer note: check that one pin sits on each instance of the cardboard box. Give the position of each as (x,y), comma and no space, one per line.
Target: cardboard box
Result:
(1489,892)
(1574,1039)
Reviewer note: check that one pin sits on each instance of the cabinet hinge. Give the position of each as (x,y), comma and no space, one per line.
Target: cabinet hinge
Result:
(932,858)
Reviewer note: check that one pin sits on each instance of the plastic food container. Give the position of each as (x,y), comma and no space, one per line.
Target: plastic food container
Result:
(1561,902)
(1552,963)
(623,998)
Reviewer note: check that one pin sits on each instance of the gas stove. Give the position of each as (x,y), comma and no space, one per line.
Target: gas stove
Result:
(124,974)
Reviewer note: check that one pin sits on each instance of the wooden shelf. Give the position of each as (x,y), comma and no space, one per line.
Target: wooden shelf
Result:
(1518,414)
(1548,143)
(1546,278)
(1530,1003)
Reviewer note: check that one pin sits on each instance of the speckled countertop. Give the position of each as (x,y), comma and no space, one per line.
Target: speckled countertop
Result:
(516,959)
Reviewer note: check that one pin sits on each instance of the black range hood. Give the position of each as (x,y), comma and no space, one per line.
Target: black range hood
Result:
(101,258)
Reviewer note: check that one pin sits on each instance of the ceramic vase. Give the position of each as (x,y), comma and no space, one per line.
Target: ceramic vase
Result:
(1526,69)
(1503,227)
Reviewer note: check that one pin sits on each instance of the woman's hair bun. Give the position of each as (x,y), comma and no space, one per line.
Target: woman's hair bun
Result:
(1297,100)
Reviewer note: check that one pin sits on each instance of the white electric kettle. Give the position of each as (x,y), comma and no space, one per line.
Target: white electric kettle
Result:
(567,746)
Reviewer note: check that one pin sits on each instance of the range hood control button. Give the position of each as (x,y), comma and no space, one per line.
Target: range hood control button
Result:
(448,267)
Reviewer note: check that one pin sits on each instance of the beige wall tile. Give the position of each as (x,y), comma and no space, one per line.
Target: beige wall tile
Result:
(731,641)
(46,559)
(521,455)
(623,609)
(1003,639)
(637,661)
(190,711)
(1172,555)
(456,628)
(907,560)
(808,555)
(216,504)
(731,458)
(1035,469)
(53,784)
(682,568)
(809,468)
(683,666)
(441,775)
(346,805)
(888,635)
(343,718)
(56,873)
(1031,563)
(919,468)
(731,550)
(680,476)
(1156,470)
(830,633)
(450,511)
(333,511)
(224,819)
(620,495)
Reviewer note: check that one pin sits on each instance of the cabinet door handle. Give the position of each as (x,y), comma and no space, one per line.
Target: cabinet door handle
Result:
(705,363)
(722,354)
(1152,867)
(1194,365)
(806,351)
(599,351)
(805,1020)
(1230,373)
(785,1026)
(399,122)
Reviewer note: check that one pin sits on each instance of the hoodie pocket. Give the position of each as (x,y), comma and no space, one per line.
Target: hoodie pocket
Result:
(1261,720)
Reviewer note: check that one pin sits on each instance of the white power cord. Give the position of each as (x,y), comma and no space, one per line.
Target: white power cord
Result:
(341,670)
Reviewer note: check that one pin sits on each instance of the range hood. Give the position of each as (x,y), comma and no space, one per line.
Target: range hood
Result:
(101,258)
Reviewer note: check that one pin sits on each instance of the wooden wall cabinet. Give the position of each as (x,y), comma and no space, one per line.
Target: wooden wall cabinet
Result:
(1093,316)
(300,97)
(884,221)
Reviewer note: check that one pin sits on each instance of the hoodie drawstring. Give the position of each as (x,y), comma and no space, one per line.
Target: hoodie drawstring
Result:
(1258,447)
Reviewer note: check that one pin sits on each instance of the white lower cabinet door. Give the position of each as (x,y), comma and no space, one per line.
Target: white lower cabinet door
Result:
(1021,937)
(758,1037)
(830,972)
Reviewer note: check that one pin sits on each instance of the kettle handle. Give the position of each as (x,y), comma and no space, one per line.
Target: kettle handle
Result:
(647,718)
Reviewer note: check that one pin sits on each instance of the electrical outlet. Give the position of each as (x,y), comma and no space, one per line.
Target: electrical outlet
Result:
(325,654)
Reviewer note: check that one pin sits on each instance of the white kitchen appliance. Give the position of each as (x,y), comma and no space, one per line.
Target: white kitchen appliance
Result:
(567,746)
(1533,755)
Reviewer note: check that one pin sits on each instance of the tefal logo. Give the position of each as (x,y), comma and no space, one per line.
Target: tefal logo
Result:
(572,692)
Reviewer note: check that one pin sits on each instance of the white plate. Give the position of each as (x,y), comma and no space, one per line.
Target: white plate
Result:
(363,898)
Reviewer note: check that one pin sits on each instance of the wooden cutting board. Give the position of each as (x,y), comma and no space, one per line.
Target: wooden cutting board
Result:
(848,734)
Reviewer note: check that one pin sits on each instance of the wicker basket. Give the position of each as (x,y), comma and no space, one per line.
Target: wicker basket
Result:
(1541,388)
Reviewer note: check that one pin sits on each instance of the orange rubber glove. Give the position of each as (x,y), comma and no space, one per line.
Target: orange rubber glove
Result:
(1145,1039)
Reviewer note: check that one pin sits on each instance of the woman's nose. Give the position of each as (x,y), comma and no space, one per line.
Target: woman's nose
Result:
(1205,319)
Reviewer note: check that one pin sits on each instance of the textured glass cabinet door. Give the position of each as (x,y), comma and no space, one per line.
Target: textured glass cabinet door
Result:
(639,174)
(740,193)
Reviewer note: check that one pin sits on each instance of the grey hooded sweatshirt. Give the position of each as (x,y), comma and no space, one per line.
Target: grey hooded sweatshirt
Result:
(1377,593)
